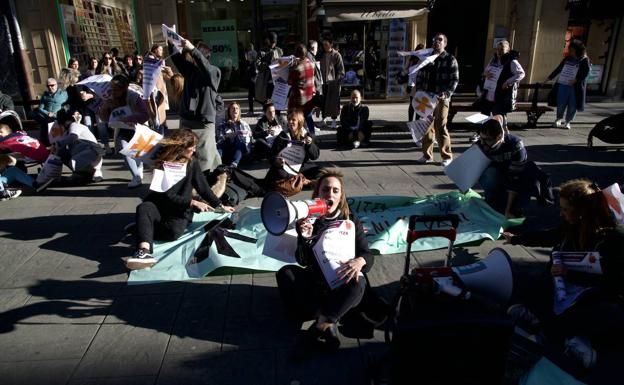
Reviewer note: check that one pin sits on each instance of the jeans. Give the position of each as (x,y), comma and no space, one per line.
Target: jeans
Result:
(102,129)
(237,148)
(309,122)
(151,224)
(566,98)
(494,185)
(134,165)
(14,174)
(206,152)
(306,297)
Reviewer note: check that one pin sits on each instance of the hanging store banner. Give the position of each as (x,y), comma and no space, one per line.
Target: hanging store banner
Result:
(335,15)
(220,35)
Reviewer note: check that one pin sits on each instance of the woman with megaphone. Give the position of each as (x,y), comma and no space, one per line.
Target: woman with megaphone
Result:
(334,253)
(290,152)
(168,208)
(582,306)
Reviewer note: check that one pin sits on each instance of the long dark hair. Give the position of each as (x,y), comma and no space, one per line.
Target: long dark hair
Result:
(325,173)
(173,146)
(590,206)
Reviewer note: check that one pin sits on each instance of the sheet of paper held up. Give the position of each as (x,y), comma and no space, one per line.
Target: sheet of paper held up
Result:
(466,169)
(477,118)
(334,247)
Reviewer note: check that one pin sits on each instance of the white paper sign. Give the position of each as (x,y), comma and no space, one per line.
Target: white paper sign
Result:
(466,169)
(424,103)
(335,246)
(419,128)
(151,72)
(280,94)
(583,261)
(615,200)
(281,247)
(477,118)
(293,155)
(119,113)
(568,74)
(492,78)
(142,142)
(99,84)
(166,178)
(172,36)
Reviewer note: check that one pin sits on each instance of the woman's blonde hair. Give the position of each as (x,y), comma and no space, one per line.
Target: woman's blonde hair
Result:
(589,205)
(229,118)
(68,77)
(300,131)
(177,85)
(325,173)
(174,145)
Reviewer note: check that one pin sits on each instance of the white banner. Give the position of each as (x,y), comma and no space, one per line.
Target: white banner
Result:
(142,142)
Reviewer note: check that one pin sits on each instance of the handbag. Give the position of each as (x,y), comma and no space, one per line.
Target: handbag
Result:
(552,95)
(291,186)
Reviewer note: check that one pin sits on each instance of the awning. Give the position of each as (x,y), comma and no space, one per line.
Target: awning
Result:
(363,10)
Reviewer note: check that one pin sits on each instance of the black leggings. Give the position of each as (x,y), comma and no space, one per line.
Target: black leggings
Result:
(152,225)
(305,297)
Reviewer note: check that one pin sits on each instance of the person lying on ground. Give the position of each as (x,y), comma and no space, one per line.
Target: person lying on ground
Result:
(21,145)
(165,215)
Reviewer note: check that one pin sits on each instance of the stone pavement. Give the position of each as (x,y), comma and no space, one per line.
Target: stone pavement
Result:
(68,317)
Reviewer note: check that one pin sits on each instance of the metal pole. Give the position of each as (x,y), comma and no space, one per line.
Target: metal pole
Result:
(364,61)
(22,63)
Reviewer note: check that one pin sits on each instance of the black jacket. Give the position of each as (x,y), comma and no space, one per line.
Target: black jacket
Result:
(305,254)
(580,87)
(201,81)
(276,172)
(260,131)
(176,202)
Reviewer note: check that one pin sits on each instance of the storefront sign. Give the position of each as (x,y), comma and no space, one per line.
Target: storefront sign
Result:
(220,35)
(350,15)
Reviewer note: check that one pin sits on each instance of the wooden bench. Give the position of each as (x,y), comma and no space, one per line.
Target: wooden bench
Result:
(22,108)
(533,109)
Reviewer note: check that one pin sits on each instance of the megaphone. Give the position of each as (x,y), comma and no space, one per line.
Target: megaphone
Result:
(491,277)
(279,214)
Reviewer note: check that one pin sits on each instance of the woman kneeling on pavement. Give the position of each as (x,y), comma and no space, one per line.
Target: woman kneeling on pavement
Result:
(580,310)
(305,290)
(165,215)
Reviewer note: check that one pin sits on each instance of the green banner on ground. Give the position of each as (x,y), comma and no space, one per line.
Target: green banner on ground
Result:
(384,217)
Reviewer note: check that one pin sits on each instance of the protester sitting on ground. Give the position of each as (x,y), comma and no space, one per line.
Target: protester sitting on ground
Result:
(304,290)
(109,66)
(50,102)
(10,175)
(22,146)
(234,137)
(127,65)
(355,128)
(504,181)
(295,135)
(6,102)
(266,130)
(595,320)
(78,148)
(165,215)
(128,107)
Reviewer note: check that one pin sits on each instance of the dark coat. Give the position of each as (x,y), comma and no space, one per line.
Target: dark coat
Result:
(276,172)
(580,87)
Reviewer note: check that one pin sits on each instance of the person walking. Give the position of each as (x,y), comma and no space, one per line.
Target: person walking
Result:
(301,80)
(440,78)
(572,84)
(332,70)
(198,108)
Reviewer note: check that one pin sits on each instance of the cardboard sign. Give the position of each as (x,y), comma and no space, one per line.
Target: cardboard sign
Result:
(333,248)
(466,169)
(142,142)
(424,103)
(293,154)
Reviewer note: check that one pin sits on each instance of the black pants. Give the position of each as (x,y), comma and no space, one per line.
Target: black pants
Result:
(306,297)
(151,224)
(342,135)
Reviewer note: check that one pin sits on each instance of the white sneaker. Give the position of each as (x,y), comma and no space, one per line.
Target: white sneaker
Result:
(135,182)
(446,162)
(580,349)
(424,160)
(557,123)
(356,144)
(141,259)
(6,195)
(567,126)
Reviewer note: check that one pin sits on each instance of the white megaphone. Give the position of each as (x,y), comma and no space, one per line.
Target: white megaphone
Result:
(279,214)
(491,277)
